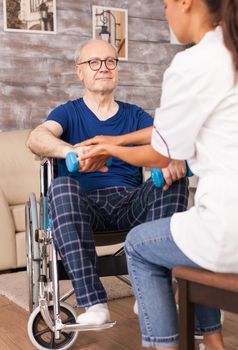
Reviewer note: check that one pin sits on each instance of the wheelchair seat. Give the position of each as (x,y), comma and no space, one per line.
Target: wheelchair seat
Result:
(109,237)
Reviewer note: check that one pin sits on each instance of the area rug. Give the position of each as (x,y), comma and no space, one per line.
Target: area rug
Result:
(14,286)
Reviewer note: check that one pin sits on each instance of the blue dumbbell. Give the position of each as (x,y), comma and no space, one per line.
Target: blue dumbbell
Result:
(158,179)
(73,164)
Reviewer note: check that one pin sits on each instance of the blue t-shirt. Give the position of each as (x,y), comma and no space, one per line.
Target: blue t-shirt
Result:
(79,123)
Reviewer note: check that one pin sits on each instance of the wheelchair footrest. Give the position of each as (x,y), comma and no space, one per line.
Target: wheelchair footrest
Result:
(82,328)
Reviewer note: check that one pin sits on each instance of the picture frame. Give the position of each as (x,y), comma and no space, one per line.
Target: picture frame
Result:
(111,24)
(30,16)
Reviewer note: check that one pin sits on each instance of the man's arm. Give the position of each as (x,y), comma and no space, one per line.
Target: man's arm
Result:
(45,141)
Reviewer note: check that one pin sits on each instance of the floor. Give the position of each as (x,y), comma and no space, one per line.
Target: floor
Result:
(124,336)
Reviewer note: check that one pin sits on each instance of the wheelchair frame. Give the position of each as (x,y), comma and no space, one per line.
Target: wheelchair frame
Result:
(52,323)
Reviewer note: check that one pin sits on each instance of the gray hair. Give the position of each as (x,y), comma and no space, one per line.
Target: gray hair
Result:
(78,52)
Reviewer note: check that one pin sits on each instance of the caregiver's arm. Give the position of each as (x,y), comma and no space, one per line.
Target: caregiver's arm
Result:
(139,155)
(140,137)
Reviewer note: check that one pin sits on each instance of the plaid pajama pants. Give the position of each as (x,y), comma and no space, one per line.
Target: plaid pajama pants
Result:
(76,215)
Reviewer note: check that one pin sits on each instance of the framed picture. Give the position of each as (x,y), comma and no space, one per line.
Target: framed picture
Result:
(32,16)
(111,24)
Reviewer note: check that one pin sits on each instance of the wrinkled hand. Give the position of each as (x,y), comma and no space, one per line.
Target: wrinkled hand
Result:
(175,171)
(90,164)
(100,139)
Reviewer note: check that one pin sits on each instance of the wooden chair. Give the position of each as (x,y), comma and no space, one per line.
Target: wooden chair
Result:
(219,290)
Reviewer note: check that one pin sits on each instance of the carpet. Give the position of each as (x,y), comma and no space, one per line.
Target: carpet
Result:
(14,286)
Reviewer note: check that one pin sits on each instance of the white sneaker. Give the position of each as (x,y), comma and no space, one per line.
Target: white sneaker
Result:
(222,316)
(202,346)
(199,337)
(135,308)
(95,315)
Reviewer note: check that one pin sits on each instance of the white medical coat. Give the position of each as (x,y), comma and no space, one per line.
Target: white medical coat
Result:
(198,121)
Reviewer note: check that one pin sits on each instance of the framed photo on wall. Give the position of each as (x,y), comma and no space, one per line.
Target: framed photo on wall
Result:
(111,24)
(32,16)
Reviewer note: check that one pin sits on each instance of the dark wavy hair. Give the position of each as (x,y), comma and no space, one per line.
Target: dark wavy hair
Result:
(226,13)
(214,7)
(230,28)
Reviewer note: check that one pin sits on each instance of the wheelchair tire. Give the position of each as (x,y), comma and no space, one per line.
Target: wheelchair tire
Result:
(43,338)
(32,251)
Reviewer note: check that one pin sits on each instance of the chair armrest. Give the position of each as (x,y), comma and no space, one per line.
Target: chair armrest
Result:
(7,236)
(226,281)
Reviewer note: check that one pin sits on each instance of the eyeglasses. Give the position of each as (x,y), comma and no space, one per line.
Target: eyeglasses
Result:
(96,64)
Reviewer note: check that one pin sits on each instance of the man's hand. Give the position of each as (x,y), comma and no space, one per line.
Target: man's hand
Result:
(175,171)
(90,164)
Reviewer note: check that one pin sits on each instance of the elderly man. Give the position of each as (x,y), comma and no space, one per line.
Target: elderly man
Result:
(92,200)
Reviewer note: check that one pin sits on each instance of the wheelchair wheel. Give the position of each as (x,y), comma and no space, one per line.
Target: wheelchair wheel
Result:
(32,252)
(43,338)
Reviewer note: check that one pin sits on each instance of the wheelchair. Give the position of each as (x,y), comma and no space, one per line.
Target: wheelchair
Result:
(52,322)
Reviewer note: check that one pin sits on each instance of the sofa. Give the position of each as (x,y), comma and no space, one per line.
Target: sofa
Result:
(19,175)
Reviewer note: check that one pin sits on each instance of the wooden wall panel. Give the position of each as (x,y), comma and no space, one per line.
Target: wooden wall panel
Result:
(37,70)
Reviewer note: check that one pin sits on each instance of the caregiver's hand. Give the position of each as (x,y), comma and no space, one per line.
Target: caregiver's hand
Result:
(174,171)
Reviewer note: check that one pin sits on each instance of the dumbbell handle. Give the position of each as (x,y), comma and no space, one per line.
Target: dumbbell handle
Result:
(72,162)
(158,179)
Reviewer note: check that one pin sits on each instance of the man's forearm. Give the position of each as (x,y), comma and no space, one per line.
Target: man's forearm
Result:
(43,142)
(140,137)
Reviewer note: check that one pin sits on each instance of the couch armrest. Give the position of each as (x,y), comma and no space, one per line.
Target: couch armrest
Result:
(8,258)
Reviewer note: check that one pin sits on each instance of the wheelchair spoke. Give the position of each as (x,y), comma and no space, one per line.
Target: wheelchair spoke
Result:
(66,335)
(69,320)
(46,330)
(52,343)
(42,332)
